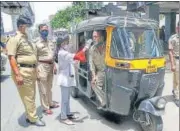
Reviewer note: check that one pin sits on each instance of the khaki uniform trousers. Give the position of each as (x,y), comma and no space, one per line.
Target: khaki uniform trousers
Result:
(27,91)
(176,79)
(98,89)
(45,84)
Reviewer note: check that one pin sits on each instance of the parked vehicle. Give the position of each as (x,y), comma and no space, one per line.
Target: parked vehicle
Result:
(135,68)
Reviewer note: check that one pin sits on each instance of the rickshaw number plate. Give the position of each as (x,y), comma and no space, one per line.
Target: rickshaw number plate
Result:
(151,69)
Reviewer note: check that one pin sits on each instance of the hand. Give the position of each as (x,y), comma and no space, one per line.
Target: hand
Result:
(19,80)
(55,69)
(173,68)
(88,44)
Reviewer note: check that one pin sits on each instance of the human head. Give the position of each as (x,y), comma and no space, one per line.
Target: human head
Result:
(43,30)
(97,37)
(23,23)
(63,42)
(177,28)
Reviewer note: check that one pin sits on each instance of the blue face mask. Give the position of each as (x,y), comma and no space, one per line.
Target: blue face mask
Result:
(44,34)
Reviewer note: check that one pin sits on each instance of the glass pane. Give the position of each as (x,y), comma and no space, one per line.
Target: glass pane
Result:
(137,42)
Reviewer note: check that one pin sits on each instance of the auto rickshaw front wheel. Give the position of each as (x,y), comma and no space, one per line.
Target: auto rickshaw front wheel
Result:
(149,122)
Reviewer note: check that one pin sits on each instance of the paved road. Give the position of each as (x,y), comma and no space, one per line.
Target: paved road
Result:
(12,116)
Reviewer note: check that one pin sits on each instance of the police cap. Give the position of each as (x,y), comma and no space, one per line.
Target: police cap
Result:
(23,20)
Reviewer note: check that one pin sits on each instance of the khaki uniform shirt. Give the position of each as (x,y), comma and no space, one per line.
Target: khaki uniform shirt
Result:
(174,44)
(96,59)
(45,50)
(23,50)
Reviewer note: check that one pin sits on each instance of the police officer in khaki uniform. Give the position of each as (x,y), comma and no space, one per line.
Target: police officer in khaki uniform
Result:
(23,60)
(97,66)
(174,60)
(46,67)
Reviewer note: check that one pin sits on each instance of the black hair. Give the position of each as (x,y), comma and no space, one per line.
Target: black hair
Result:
(41,25)
(102,33)
(60,40)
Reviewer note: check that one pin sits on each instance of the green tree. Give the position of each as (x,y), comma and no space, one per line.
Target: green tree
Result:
(72,14)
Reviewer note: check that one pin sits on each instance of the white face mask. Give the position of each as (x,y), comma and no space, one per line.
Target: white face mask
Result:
(66,47)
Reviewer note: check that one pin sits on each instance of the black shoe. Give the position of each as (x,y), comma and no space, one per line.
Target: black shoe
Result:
(72,116)
(39,122)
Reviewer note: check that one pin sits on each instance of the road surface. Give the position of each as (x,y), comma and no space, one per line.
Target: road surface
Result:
(12,112)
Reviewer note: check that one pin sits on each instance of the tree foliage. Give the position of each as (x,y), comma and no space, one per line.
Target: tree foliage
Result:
(71,15)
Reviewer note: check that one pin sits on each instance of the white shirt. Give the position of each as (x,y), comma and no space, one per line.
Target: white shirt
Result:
(66,69)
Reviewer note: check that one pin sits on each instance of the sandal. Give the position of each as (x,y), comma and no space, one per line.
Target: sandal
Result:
(55,105)
(47,112)
(67,122)
(72,116)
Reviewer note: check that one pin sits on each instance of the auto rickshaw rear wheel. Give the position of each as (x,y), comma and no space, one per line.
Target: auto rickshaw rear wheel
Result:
(74,92)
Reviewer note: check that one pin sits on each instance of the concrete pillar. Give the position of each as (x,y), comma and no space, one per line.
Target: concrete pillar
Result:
(14,22)
(152,12)
(2,27)
(170,24)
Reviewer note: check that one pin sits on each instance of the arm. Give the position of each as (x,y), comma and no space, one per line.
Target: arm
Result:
(12,49)
(13,64)
(171,57)
(70,57)
(91,63)
(54,58)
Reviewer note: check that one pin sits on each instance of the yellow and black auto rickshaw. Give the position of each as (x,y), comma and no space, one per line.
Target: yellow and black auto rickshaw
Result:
(135,68)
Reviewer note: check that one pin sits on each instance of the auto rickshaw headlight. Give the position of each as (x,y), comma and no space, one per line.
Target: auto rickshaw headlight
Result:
(161,103)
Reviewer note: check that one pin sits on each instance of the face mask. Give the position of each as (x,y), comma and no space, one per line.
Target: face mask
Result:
(66,47)
(44,34)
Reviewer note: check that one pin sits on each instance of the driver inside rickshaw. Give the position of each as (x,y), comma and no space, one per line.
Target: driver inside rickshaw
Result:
(97,65)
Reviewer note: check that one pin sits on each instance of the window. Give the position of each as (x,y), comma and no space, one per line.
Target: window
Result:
(116,46)
(135,42)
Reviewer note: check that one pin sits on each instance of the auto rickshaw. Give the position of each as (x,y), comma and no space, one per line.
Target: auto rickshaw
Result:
(135,68)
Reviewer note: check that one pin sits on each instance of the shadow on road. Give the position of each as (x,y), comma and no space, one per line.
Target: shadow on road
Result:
(114,121)
(78,120)
(22,119)
(4,77)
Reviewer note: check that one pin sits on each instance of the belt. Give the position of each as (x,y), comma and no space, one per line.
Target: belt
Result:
(47,62)
(28,65)
(176,57)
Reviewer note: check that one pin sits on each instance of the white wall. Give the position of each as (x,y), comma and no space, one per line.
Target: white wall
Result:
(7,22)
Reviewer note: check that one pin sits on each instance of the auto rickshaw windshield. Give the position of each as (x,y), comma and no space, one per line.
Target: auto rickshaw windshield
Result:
(135,43)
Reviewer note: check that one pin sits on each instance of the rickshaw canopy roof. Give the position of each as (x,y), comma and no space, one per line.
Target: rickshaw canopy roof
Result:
(102,22)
